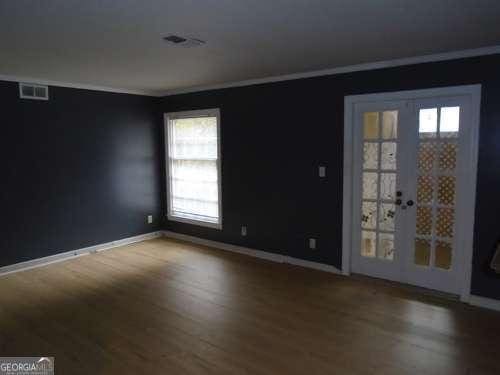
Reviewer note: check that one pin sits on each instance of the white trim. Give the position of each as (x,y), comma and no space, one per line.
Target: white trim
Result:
(227,247)
(474,91)
(415,94)
(348,176)
(72,85)
(474,300)
(210,112)
(252,252)
(193,219)
(40,262)
(314,265)
(487,303)
(453,55)
(470,203)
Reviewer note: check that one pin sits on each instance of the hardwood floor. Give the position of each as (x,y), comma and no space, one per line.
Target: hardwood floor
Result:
(168,307)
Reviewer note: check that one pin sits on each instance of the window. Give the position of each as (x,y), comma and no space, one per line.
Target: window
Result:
(193,162)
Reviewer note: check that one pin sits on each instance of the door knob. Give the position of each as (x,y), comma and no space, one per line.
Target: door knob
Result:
(409,203)
(398,202)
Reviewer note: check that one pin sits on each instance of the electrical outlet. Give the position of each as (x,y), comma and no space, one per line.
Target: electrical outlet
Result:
(312,243)
(150,219)
(243,230)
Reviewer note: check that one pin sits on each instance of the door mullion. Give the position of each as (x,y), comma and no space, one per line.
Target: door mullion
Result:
(379,184)
(404,172)
(435,196)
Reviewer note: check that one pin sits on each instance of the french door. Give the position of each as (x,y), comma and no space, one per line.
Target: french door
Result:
(410,184)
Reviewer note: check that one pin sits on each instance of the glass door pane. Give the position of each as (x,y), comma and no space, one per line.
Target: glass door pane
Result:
(437,150)
(379,176)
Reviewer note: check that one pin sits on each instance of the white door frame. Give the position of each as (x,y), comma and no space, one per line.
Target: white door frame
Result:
(474,92)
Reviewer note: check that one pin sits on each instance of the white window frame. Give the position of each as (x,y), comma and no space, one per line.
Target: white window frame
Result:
(168,118)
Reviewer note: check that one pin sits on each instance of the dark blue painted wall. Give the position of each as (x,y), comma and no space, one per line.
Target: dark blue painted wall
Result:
(86,167)
(80,169)
(275,135)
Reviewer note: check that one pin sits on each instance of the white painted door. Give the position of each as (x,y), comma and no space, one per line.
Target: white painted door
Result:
(409,190)
(380,174)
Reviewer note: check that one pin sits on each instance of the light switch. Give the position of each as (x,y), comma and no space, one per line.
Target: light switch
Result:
(243,230)
(322,171)
(312,243)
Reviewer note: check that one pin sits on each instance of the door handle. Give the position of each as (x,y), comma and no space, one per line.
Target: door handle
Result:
(409,203)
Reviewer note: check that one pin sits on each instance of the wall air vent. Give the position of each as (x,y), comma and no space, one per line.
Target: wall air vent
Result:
(183,42)
(33,91)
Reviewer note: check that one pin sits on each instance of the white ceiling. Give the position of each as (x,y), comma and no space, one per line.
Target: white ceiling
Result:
(119,43)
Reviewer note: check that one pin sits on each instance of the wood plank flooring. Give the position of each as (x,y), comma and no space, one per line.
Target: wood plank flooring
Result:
(169,307)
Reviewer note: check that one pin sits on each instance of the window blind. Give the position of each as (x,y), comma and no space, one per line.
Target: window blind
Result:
(193,159)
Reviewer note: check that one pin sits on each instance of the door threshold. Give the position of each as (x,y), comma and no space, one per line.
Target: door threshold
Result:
(417,291)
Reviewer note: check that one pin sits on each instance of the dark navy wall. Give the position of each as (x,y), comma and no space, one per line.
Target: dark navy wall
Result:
(80,169)
(274,136)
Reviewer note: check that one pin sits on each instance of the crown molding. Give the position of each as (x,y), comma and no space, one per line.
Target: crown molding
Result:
(345,69)
(287,77)
(74,85)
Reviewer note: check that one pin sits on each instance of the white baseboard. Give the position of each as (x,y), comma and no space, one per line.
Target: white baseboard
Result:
(313,265)
(39,262)
(253,252)
(474,300)
(487,303)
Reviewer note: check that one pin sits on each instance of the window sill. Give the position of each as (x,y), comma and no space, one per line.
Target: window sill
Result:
(190,220)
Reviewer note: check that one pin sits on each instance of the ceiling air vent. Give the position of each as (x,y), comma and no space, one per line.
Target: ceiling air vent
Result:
(183,42)
(33,91)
